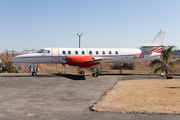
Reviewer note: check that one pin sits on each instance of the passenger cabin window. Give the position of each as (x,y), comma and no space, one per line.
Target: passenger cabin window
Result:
(90,52)
(83,52)
(63,52)
(69,52)
(116,52)
(97,52)
(76,52)
(110,52)
(103,52)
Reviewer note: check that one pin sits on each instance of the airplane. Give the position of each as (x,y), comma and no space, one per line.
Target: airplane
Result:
(88,57)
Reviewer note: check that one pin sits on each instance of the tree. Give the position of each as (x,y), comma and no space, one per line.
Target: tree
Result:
(165,63)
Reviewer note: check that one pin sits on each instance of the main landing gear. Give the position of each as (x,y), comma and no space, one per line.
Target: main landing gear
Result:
(95,74)
(82,71)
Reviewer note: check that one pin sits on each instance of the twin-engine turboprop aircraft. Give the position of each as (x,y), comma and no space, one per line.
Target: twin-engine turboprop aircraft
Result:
(88,57)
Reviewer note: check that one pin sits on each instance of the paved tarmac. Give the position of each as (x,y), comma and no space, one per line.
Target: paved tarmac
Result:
(50,97)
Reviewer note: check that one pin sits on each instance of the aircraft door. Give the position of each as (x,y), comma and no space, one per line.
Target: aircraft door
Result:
(55,55)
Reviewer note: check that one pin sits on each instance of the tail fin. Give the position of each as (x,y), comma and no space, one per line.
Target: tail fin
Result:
(155,46)
(158,40)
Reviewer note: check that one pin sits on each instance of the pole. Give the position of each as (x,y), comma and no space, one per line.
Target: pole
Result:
(79,39)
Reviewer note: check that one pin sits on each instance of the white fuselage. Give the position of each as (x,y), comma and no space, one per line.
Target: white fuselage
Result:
(113,55)
(88,57)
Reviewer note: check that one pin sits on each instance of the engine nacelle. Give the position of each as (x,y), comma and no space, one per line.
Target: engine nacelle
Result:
(80,61)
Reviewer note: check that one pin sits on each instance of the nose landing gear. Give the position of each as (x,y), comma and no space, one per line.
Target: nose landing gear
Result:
(34,74)
(34,71)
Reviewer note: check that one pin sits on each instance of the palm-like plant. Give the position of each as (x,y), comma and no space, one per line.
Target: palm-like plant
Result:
(165,62)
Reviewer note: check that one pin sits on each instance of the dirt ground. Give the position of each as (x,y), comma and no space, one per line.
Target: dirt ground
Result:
(143,96)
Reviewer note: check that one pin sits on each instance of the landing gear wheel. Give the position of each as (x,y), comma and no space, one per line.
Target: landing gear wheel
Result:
(34,74)
(95,75)
(82,72)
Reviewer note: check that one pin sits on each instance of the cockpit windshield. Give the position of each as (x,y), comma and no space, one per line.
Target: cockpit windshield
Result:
(43,51)
(40,51)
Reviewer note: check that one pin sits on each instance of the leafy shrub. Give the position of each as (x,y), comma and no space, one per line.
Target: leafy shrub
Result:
(97,68)
(7,66)
(130,66)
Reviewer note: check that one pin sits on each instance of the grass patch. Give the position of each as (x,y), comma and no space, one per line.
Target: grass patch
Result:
(142,96)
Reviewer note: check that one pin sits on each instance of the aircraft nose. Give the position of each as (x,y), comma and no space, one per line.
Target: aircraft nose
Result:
(14,59)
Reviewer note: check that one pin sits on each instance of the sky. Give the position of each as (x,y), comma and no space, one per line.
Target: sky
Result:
(36,24)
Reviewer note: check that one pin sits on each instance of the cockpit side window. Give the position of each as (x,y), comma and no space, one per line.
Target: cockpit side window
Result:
(46,51)
(40,51)
(43,51)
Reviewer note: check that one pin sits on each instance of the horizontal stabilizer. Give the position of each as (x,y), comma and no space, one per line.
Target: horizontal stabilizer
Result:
(156,46)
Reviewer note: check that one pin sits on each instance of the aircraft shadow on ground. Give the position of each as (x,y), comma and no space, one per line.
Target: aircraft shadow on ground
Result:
(16,76)
(72,77)
(173,87)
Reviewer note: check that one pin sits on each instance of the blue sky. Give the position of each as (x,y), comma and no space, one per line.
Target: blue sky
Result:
(27,24)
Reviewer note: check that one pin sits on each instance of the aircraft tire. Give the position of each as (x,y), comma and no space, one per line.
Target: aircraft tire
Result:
(34,74)
(95,75)
(82,72)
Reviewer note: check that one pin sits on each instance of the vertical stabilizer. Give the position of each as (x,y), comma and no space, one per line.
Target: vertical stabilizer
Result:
(155,45)
(158,40)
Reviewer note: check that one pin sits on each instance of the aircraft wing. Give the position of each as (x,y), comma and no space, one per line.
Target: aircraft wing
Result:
(98,60)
